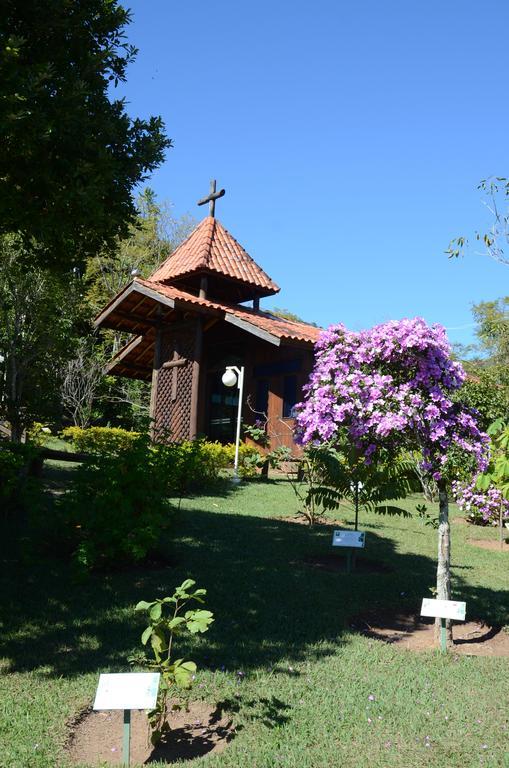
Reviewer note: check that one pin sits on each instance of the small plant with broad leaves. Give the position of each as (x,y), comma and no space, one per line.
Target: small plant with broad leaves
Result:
(168,620)
(425,518)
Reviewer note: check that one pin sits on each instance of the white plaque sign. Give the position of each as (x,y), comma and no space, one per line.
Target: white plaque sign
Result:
(444,609)
(130,690)
(348,539)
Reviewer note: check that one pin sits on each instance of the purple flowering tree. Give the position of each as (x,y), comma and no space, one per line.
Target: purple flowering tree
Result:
(386,390)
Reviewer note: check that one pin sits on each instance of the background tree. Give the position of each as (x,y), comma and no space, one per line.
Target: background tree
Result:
(40,321)
(71,155)
(82,377)
(495,241)
(151,238)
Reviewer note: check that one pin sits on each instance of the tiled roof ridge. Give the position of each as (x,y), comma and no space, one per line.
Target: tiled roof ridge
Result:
(212,247)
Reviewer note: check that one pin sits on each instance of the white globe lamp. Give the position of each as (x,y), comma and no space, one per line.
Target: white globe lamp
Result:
(229,378)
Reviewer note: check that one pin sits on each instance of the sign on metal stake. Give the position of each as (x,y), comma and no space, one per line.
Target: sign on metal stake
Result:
(444,609)
(127,691)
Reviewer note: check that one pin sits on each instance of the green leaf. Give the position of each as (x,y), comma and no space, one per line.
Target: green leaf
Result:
(146,635)
(186,585)
(183,674)
(155,611)
(158,640)
(390,510)
(483,482)
(143,605)
(199,621)
(177,621)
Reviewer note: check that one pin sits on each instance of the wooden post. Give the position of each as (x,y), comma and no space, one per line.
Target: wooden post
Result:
(158,353)
(256,302)
(204,284)
(195,387)
(444,559)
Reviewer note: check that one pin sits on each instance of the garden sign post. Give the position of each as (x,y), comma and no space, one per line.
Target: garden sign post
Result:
(443,609)
(351,540)
(126,691)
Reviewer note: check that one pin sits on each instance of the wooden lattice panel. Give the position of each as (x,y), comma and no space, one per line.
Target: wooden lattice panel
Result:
(174,386)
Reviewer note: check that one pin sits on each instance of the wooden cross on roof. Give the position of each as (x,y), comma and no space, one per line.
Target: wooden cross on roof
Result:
(211,198)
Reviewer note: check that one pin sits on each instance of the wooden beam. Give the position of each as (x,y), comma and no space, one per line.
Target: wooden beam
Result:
(250,328)
(136,288)
(138,319)
(158,351)
(210,323)
(175,363)
(195,387)
(113,304)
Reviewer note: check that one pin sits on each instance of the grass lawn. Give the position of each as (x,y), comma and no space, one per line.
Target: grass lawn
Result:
(281,655)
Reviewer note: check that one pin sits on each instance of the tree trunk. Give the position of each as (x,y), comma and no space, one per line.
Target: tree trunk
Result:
(444,557)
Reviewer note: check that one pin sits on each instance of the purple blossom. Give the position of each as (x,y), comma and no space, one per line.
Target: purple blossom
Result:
(482,507)
(390,386)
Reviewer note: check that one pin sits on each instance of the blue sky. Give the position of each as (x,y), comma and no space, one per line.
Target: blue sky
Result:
(350,138)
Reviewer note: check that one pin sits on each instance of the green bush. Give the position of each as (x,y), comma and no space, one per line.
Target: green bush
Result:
(100,440)
(116,508)
(18,486)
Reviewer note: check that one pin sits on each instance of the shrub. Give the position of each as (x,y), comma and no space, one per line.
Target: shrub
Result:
(18,487)
(116,508)
(250,459)
(100,440)
(482,507)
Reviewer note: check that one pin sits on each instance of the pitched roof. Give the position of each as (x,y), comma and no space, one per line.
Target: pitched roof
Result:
(211,248)
(135,309)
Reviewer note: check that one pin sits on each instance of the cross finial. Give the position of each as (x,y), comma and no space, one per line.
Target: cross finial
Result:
(211,198)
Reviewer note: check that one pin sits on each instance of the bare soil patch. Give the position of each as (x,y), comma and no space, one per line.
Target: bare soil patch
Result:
(490,544)
(336,563)
(96,738)
(416,633)
(302,520)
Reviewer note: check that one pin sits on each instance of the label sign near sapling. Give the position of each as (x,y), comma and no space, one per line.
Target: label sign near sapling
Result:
(444,609)
(130,690)
(355,539)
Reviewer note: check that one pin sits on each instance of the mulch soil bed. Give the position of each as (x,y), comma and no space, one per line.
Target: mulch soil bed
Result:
(490,544)
(411,632)
(96,737)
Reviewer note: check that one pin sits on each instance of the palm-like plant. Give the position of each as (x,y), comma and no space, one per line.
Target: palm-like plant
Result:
(345,475)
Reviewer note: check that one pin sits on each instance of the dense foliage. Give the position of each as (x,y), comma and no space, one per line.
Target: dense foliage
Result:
(103,440)
(116,509)
(40,319)
(19,488)
(71,154)
(122,495)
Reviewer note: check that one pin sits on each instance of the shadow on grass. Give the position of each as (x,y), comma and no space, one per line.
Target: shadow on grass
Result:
(268,604)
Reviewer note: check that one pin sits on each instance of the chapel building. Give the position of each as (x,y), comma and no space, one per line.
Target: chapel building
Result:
(190,320)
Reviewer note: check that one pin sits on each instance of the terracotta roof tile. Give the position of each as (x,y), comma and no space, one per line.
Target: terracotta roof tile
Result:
(278,326)
(211,248)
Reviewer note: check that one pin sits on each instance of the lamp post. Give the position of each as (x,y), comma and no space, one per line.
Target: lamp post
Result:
(231,377)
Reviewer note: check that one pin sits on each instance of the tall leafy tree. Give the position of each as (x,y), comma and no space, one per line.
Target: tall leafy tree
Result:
(40,320)
(71,154)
